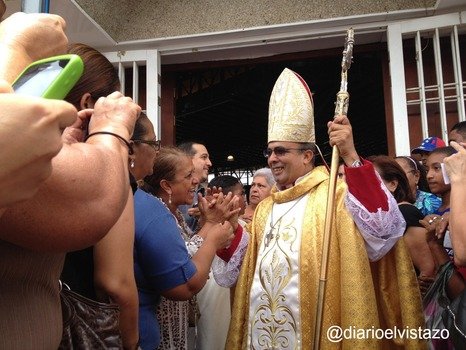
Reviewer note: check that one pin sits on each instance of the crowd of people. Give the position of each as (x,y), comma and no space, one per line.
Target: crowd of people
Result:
(90,200)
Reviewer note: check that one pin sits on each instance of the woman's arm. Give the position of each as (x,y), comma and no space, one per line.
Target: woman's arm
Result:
(415,239)
(25,38)
(114,273)
(161,256)
(87,190)
(456,168)
(30,129)
(218,236)
(435,241)
(455,283)
(458,222)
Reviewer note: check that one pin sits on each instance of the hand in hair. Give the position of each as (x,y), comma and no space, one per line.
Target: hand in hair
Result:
(115,113)
(78,131)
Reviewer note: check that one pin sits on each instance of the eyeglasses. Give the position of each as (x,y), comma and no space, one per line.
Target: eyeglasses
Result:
(154,144)
(280,151)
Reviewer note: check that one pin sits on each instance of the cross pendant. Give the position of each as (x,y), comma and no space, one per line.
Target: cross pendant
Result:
(269,237)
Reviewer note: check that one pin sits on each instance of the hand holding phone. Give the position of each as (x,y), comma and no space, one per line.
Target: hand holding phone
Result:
(446,179)
(35,35)
(51,78)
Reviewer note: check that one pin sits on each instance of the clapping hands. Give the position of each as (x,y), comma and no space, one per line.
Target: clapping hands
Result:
(217,208)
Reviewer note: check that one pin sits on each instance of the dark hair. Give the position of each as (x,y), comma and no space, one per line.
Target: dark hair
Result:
(226,182)
(390,170)
(99,79)
(415,165)
(188,147)
(2,9)
(309,145)
(460,128)
(165,168)
(447,151)
(139,129)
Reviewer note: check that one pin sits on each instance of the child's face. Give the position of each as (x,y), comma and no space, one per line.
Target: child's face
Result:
(434,174)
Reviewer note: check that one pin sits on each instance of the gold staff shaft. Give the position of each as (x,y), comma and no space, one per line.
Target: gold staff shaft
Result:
(341,107)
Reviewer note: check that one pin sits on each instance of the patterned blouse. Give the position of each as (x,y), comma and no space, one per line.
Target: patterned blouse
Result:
(426,202)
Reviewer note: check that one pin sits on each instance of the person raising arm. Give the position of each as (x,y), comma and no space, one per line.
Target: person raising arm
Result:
(456,169)
(39,123)
(25,38)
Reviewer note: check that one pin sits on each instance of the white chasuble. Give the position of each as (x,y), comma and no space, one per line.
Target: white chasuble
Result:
(274,315)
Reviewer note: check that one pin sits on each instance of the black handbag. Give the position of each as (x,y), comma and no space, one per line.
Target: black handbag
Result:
(88,324)
(432,308)
(454,315)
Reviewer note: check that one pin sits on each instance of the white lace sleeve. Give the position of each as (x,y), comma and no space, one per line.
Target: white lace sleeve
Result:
(226,273)
(380,230)
(193,244)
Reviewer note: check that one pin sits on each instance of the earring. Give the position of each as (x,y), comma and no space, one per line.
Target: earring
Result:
(131,164)
(169,198)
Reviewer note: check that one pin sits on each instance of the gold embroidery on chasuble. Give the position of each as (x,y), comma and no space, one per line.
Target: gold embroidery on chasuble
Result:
(350,298)
(274,297)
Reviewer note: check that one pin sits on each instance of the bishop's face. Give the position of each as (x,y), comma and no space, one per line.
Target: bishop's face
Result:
(288,162)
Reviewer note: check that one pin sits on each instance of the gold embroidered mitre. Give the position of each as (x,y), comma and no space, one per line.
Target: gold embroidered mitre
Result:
(291,112)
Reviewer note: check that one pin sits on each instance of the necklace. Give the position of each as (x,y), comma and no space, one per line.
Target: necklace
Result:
(180,222)
(270,235)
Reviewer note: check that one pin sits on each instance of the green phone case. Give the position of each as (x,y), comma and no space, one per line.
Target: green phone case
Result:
(51,77)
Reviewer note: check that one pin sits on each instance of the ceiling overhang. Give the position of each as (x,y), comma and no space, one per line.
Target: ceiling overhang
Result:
(241,43)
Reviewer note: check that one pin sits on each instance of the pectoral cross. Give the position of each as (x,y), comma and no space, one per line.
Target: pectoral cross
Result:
(268,237)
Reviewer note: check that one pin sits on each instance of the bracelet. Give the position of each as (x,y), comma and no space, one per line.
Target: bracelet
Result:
(195,241)
(130,147)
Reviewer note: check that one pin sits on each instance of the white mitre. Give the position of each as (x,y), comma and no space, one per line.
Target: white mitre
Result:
(291,111)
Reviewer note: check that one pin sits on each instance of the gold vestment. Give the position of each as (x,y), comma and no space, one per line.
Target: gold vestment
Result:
(359,294)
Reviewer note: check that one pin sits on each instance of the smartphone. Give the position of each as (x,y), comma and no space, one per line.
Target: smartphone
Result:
(51,77)
(446,178)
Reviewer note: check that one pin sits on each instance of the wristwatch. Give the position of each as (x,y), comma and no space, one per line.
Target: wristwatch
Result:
(356,164)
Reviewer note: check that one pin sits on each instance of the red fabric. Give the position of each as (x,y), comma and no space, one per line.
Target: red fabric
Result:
(364,184)
(305,86)
(462,271)
(226,253)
